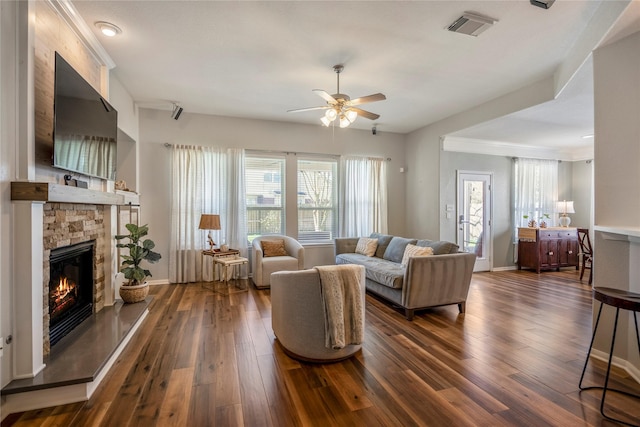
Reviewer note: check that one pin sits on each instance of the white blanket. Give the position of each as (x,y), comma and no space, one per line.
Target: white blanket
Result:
(343,311)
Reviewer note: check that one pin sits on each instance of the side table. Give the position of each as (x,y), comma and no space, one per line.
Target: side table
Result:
(225,263)
(217,253)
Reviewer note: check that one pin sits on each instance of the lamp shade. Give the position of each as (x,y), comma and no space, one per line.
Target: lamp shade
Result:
(565,207)
(209,222)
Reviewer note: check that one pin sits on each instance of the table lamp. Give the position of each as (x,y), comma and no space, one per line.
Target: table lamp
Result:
(209,222)
(565,207)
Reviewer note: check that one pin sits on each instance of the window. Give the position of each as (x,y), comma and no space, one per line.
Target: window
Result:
(265,195)
(535,190)
(317,200)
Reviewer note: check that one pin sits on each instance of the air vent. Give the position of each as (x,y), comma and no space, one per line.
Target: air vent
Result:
(545,4)
(471,24)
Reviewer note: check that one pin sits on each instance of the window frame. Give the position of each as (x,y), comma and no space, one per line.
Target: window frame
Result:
(333,210)
(281,183)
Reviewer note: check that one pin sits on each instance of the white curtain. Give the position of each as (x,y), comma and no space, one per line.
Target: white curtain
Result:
(535,191)
(363,196)
(199,184)
(234,221)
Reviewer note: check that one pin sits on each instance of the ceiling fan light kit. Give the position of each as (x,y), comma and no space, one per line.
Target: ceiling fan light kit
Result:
(340,106)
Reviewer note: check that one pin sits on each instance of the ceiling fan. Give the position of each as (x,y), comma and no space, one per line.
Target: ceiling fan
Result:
(340,106)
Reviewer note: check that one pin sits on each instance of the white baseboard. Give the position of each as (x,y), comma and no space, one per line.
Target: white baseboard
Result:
(632,370)
(508,268)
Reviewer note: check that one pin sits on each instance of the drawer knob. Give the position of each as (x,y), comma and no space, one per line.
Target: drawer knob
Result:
(550,253)
(570,252)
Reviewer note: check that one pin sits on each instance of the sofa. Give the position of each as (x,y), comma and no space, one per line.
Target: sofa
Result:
(425,281)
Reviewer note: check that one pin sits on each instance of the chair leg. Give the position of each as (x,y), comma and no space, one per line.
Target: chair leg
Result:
(462,306)
(582,270)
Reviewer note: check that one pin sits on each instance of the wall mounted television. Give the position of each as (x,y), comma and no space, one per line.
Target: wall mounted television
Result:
(85,126)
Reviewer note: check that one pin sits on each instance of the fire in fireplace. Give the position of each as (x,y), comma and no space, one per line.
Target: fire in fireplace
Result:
(70,288)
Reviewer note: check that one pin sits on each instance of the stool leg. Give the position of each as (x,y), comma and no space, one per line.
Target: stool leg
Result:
(606,378)
(635,319)
(593,337)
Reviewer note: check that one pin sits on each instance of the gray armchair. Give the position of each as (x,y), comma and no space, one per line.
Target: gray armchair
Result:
(263,266)
(298,316)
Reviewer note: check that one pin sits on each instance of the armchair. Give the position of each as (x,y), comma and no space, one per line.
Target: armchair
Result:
(298,316)
(291,260)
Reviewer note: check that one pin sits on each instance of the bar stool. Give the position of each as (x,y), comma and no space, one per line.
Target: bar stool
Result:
(620,300)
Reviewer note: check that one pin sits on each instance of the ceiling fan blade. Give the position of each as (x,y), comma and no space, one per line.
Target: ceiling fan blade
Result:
(365,114)
(365,99)
(324,95)
(299,110)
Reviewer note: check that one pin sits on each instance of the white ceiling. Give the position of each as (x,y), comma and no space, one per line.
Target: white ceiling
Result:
(260,59)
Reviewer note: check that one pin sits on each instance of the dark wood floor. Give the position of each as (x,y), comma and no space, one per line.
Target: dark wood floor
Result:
(206,359)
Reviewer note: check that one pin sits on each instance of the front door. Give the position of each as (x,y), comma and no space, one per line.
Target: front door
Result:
(474,216)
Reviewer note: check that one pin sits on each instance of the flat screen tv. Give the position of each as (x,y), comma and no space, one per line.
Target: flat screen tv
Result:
(85,126)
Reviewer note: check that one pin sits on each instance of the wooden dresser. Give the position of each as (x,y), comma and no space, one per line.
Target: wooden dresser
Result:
(547,248)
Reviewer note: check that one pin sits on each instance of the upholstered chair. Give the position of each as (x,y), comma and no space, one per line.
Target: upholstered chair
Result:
(277,253)
(298,316)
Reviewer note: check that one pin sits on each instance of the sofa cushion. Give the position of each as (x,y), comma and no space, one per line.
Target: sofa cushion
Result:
(439,247)
(395,250)
(385,272)
(366,246)
(383,242)
(413,250)
(273,248)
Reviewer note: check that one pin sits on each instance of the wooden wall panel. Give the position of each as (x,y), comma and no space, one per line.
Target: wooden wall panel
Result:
(53,34)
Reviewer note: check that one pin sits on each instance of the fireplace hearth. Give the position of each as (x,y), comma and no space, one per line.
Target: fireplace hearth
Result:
(70,288)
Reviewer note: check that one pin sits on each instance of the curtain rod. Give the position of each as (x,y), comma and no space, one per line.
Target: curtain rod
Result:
(295,153)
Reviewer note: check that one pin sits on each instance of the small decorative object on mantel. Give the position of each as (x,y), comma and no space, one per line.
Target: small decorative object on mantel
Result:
(121,185)
(137,288)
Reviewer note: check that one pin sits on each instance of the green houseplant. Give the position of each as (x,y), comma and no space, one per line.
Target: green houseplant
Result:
(136,288)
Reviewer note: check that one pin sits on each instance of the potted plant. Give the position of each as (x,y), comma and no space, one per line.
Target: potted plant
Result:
(136,288)
(542,220)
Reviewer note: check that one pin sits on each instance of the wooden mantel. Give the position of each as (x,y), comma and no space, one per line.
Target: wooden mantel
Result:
(57,193)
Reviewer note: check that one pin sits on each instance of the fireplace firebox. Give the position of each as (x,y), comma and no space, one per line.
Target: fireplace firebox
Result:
(70,288)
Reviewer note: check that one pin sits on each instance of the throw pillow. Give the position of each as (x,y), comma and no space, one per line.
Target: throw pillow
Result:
(395,250)
(383,242)
(367,246)
(413,250)
(440,247)
(273,248)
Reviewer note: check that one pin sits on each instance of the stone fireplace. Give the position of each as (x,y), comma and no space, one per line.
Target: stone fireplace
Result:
(72,228)
(50,219)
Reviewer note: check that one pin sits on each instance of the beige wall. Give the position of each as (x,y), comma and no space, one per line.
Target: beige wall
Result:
(157,128)
(617,178)
(501,169)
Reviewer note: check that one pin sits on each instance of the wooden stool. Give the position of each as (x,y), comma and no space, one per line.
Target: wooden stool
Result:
(620,300)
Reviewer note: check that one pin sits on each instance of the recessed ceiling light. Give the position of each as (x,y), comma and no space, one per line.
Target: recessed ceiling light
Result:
(108,29)
(587,136)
